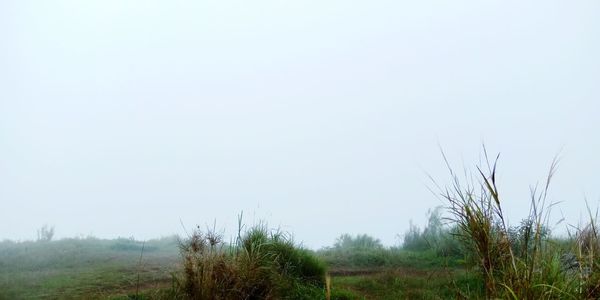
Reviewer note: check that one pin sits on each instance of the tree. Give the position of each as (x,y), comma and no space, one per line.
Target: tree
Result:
(45,234)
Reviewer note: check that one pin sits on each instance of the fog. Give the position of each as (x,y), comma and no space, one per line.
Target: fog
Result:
(142,118)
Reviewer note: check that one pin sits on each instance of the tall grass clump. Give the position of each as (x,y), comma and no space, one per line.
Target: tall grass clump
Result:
(514,262)
(584,258)
(259,264)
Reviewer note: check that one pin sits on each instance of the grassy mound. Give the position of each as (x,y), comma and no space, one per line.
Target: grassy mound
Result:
(261,264)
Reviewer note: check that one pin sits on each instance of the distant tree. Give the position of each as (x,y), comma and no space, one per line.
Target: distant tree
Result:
(45,234)
(435,236)
(359,242)
(429,237)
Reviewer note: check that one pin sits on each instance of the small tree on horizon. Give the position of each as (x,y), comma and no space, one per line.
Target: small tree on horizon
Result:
(45,234)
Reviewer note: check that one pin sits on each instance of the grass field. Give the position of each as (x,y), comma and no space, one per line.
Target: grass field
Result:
(84,268)
(108,269)
(359,267)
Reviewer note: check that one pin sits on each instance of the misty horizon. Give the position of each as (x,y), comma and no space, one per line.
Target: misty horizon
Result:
(141,118)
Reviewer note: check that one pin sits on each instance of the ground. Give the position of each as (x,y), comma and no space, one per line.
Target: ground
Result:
(120,269)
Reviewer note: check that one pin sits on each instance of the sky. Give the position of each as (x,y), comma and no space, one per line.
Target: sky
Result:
(147,118)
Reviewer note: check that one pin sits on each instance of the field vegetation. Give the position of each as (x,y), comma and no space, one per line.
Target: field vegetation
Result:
(260,264)
(84,267)
(522,261)
(467,250)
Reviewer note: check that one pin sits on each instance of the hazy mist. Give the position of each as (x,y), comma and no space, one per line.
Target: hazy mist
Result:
(128,118)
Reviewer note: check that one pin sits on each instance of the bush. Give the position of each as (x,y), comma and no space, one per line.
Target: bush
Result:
(360,242)
(360,251)
(261,264)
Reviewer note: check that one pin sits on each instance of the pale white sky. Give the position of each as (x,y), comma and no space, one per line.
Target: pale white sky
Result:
(121,118)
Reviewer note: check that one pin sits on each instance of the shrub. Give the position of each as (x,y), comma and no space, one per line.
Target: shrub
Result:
(261,264)
(359,242)
(360,251)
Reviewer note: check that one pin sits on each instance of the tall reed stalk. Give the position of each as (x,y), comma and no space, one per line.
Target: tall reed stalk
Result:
(514,262)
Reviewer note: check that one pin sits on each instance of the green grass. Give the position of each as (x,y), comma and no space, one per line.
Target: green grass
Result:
(83,268)
(480,256)
(394,273)
(261,264)
(382,259)
(108,269)
(406,284)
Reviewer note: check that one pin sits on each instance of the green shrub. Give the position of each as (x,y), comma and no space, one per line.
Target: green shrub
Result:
(297,263)
(358,242)
(360,251)
(261,264)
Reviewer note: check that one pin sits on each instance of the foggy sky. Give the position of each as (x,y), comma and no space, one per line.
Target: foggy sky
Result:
(128,118)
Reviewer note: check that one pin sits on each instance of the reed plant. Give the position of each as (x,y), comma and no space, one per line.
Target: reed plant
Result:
(514,262)
(585,258)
